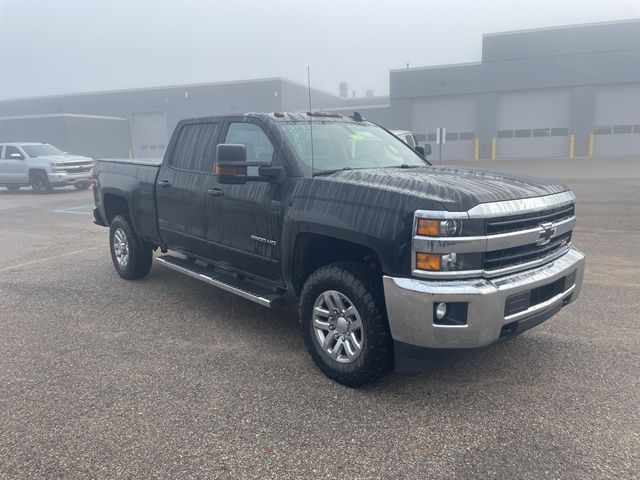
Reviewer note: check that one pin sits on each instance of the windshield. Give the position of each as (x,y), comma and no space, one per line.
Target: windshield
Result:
(41,150)
(343,145)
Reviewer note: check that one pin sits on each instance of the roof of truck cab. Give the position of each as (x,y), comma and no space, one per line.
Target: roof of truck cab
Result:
(287,117)
(20,144)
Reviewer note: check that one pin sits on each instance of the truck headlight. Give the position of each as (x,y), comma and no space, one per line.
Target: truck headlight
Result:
(436,262)
(449,262)
(438,228)
(450,228)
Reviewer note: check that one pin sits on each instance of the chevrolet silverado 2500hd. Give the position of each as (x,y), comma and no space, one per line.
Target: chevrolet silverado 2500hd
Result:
(392,259)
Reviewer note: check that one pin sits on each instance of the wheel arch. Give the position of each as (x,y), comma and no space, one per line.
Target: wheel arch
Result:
(33,170)
(115,204)
(312,250)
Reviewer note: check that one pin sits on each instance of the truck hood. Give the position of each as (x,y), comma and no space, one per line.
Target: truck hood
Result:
(64,158)
(456,189)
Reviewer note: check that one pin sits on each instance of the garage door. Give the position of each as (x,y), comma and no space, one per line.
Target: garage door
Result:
(617,120)
(457,114)
(149,134)
(533,123)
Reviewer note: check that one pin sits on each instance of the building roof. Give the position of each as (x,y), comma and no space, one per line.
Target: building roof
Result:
(172,87)
(20,144)
(580,55)
(58,115)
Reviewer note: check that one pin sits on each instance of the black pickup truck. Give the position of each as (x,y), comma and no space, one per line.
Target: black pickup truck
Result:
(392,259)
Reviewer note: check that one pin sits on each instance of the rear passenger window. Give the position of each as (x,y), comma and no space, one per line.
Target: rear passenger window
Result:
(195,147)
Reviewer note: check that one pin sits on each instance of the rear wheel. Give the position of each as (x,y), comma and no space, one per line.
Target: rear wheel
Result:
(40,182)
(131,255)
(13,188)
(81,186)
(344,323)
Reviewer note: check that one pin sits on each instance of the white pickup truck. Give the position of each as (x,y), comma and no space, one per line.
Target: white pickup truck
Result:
(42,166)
(406,136)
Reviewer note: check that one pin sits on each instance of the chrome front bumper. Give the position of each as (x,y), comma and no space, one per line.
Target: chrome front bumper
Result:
(410,304)
(64,178)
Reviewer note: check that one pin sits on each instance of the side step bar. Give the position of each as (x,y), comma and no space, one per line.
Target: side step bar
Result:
(240,287)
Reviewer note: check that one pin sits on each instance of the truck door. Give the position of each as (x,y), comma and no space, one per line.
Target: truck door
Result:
(181,188)
(245,221)
(13,166)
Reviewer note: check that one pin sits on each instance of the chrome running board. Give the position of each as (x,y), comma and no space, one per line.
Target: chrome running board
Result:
(238,286)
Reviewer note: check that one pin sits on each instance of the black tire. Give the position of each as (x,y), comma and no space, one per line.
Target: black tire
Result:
(140,253)
(363,287)
(81,186)
(40,182)
(13,188)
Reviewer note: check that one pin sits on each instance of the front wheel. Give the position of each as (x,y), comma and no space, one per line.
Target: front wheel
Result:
(40,182)
(131,255)
(81,185)
(344,323)
(13,188)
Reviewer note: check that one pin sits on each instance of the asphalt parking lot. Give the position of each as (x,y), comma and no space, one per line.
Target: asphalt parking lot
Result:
(170,378)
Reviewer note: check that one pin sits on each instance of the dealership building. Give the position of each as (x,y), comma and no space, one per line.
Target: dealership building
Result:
(559,92)
(535,93)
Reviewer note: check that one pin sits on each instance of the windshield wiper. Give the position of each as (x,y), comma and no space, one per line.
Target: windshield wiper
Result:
(329,172)
(404,165)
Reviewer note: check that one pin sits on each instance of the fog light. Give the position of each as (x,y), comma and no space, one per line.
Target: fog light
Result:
(441,311)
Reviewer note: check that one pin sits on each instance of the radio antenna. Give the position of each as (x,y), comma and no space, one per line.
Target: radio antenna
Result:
(310,118)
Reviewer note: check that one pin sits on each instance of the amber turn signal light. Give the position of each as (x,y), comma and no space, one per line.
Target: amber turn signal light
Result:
(218,170)
(428,261)
(428,228)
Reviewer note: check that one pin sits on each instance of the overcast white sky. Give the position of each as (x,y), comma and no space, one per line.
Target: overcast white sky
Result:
(64,46)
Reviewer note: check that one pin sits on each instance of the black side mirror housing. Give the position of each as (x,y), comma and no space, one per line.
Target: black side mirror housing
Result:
(423,151)
(231,166)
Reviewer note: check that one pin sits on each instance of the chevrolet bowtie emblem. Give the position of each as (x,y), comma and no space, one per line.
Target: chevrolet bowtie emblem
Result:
(547,233)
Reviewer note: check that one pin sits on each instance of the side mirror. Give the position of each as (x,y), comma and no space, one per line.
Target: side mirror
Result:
(420,150)
(16,156)
(427,149)
(231,167)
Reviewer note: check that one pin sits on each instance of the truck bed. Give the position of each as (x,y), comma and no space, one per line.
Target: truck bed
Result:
(134,180)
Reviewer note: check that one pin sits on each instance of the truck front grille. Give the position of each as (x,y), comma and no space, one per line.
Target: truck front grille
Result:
(78,167)
(513,223)
(501,238)
(509,257)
